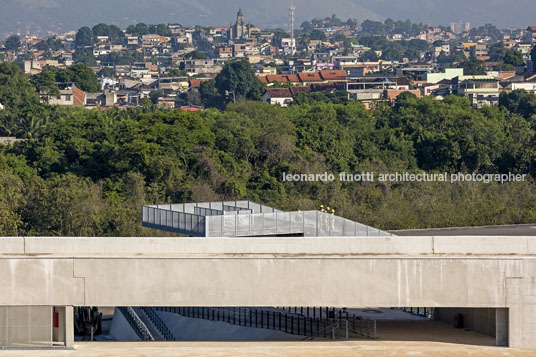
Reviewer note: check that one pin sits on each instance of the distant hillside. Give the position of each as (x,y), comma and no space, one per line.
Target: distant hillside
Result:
(29,16)
(502,13)
(59,15)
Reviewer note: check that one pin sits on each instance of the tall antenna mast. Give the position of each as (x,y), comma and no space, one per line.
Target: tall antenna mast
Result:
(292,9)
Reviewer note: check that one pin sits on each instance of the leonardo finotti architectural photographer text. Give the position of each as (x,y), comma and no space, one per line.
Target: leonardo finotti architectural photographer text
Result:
(404,177)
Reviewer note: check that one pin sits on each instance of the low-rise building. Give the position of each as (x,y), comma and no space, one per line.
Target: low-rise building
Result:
(481,90)
(449,73)
(283,96)
(69,95)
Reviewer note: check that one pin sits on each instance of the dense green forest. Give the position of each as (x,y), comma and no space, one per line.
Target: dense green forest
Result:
(87,172)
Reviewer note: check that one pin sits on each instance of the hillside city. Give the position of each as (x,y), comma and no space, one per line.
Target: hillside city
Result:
(173,66)
(329,187)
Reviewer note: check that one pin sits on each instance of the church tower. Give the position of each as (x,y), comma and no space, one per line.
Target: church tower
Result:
(239,30)
(240,17)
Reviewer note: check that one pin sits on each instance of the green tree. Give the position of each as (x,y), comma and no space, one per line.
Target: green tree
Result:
(161,29)
(473,67)
(317,35)
(210,96)
(12,43)
(195,55)
(113,32)
(107,72)
(154,95)
(515,58)
(101,30)
(17,94)
(50,44)
(139,30)
(497,52)
(520,102)
(373,27)
(307,27)
(175,72)
(85,56)
(84,37)
(81,75)
(11,196)
(45,82)
(238,77)
(507,67)
(533,55)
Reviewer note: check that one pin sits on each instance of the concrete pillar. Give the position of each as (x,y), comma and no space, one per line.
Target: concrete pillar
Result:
(69,327)
(501,327)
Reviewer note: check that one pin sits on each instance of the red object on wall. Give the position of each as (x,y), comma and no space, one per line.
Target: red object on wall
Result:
(56,320)
(458,321)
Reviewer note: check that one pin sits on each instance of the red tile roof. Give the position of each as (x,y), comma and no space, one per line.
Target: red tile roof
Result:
(309,77)
(293,78)
(296,90)
(196,83)
(276,78)
(263,79)
(279,92)
(393,94)
(333,75)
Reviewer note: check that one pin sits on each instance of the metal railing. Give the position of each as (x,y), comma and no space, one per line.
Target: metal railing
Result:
(137,325)
(292,323)
(420,311)
(160,325)
(247,219)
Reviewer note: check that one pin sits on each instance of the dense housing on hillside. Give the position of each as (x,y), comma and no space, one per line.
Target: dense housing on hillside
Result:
(372,62)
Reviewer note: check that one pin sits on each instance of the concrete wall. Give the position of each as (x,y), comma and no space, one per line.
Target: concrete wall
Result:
(478,320)
(458,245)
(451,272)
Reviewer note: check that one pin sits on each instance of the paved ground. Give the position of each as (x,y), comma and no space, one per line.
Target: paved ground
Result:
(510,230)
(397,338)
(271,349)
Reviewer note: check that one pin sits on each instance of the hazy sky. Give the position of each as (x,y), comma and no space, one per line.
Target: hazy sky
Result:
(58,15)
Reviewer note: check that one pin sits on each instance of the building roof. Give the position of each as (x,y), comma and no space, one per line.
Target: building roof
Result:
(402,81)
(333,75)
(278,92)
(191,109)
(309,77)
(293,78)
(271,78)
(263,79)
(297,90)
(196,83)
(393,94)
(532,28)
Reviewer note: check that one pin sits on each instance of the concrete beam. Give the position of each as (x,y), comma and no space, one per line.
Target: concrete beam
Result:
(459,272)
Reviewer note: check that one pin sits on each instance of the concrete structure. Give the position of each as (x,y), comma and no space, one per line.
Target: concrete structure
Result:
(69,95)
(526,86)
(249,219)
(439,272)
(239,31)
(480,90)
(448,74)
